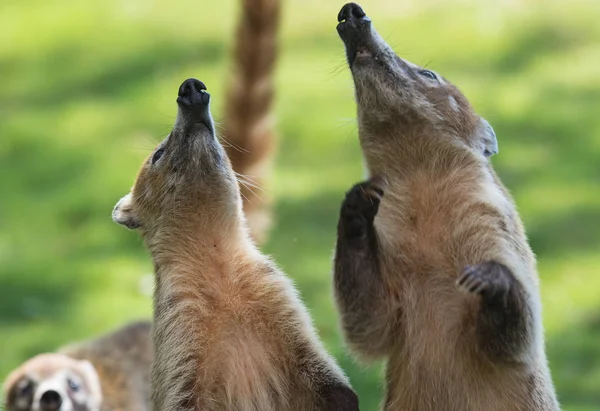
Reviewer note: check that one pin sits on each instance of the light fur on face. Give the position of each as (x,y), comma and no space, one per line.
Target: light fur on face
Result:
(108,372)
(25,386)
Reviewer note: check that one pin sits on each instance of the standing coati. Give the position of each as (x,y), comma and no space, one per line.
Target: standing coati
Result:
(433,271)
(110,373)
(230,332)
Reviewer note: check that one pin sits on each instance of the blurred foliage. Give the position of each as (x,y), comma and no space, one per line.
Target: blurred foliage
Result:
(88,88)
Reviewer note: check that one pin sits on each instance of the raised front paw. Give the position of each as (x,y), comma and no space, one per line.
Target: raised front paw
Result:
(362,201)
(341,398)
(360,207)
(488,279)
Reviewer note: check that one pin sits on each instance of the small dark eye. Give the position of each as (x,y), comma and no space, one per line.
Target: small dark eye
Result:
(26,387)
(73,385)
(157,155)
(429,74)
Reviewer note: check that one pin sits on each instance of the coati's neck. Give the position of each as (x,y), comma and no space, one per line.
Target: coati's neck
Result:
(402,154)
(198,245)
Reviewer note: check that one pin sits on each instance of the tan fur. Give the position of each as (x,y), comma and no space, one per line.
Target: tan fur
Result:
(229,329)
(114,368)
(443,209)
(432,223)
(123,361)
(248,132)
(242,326)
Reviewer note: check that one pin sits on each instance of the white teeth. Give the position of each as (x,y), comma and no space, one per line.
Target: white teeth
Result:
(363,53)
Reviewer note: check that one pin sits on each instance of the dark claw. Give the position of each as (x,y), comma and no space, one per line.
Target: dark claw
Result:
(489,278)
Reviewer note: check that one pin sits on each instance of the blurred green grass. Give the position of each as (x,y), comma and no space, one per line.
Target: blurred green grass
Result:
(88,88)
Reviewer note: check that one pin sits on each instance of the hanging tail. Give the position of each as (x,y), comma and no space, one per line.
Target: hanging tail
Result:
(249,121)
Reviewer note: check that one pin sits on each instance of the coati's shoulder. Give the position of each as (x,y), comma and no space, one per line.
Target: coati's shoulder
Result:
(128,342)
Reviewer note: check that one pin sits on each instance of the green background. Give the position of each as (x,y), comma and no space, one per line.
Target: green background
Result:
(88,87)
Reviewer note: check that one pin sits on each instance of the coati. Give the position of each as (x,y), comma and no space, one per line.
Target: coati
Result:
(248,127)
(433,271)
(230,332)
(110,373)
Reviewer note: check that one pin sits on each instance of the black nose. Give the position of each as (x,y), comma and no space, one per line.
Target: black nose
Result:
(351,11)
(191,86)
(50,401)
(192,92)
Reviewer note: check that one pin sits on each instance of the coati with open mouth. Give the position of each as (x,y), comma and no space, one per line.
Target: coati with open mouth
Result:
(433,271)
(230,332)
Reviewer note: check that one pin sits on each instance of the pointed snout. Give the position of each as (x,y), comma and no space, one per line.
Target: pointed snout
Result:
(351,11)
(192,92)
(354,28)
(352,20)
(193,101)
(50,400)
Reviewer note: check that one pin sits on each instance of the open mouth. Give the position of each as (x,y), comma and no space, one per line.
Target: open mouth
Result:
(363,52)
(202,97)
(354,28)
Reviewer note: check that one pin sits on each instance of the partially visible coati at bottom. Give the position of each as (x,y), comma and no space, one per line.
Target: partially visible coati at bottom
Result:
(230,332)
(433,271)
(109,373)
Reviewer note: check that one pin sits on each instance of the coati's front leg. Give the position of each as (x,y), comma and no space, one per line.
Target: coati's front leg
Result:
(359,290)
(340,397)
(504,322)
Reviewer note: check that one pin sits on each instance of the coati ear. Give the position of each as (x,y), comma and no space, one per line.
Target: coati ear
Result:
(488,138)
(124,214)
(93,383)
(88,368)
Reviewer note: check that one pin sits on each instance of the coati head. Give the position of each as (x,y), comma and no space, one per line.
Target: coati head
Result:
(53,382)
(398,100)
(187,184)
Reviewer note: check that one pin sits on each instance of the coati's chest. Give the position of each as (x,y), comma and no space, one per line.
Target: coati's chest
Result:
(417,217)
(419,228)
(241,329)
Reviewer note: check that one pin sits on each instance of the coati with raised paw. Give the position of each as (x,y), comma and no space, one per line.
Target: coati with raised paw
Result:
(110,373)
(433,271)
(230,332)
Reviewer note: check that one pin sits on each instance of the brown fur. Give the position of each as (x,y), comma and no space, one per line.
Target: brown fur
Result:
(248,126)
(438,278)
(229,329)
(114,371)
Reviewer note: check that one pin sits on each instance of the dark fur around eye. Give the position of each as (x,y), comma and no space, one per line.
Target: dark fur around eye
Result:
(26,387)
(429,74)
(157,155)
(20,396)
